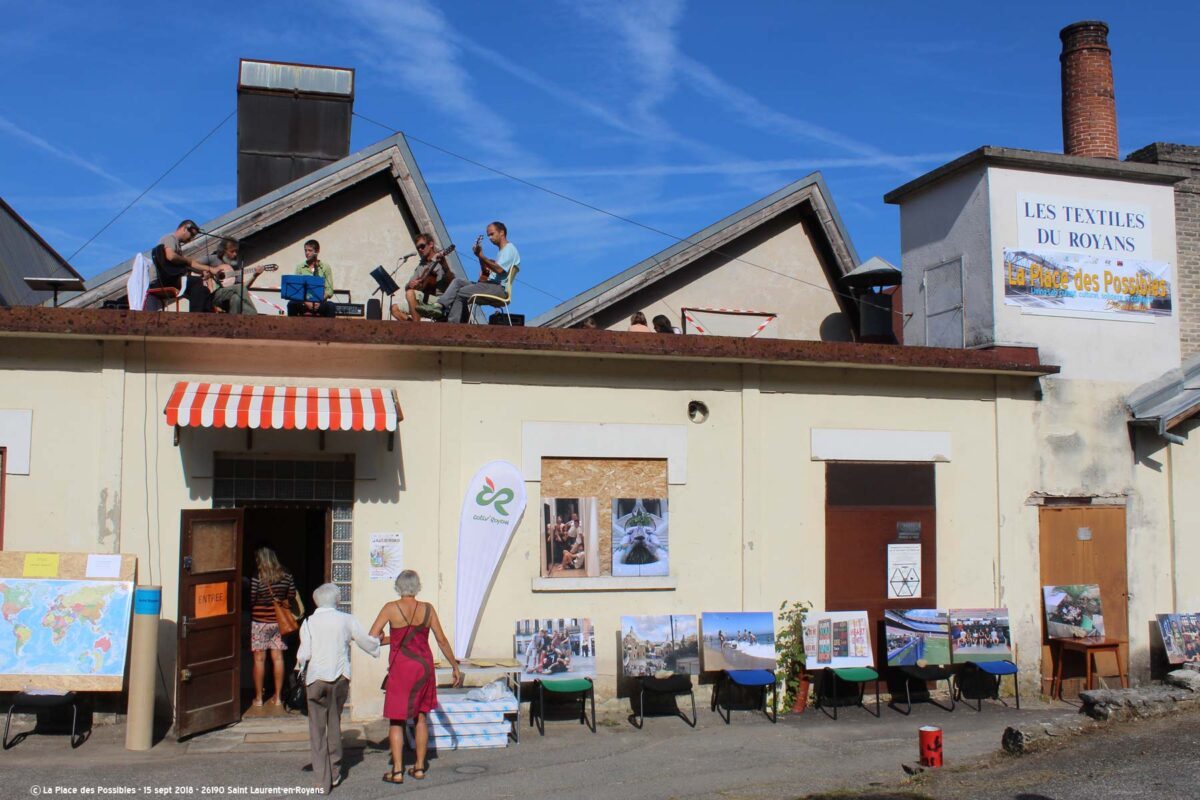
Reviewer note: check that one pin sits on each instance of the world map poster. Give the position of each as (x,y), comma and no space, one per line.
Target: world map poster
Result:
(72,628)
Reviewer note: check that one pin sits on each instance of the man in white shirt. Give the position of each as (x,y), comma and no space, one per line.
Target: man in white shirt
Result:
(325,647)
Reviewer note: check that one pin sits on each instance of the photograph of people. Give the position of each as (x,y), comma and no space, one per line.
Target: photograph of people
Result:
(1073,612)
(738,640)
(571,544)
(639,537)
(559,647)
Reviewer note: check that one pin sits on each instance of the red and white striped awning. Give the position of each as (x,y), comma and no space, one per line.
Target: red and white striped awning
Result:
(304,408)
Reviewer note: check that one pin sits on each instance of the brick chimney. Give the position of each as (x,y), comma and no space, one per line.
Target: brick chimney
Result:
(1089,109)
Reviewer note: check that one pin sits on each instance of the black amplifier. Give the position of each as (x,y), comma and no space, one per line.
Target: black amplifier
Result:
(501,318)
(349,309)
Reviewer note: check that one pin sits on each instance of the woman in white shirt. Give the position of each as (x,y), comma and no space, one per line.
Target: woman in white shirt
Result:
(325,648)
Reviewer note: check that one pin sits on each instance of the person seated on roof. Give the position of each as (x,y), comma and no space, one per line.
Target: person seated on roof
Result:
(637,323)
(492,274)
(430,278)
(663,325)
(230,294)
(314,266)
(172,265)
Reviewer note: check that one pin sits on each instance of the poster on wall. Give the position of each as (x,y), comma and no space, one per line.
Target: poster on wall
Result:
(657,644)
(917,637)
(903,571)
(570,547)
(1181,636)
(640,543)
(738,640)
(491,510)
(387,556)
(980,634)
(839,638)
(1088,284)
(556,647)
(1073,611)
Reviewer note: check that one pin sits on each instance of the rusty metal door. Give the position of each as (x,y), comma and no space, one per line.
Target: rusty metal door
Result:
(1086,544)
(210,587)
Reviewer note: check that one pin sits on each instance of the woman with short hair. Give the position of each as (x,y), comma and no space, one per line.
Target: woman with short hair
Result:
(637,323)
(271,583)
(411,685)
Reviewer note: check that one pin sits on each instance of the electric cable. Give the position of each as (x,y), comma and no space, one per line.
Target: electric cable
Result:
(614,215)
(157,181)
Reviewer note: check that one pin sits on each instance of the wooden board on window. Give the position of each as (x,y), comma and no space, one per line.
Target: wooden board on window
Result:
(71,566)
(604,479)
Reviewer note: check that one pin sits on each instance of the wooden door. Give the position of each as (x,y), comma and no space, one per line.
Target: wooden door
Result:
(1086,544)
(864,505)
(209,646)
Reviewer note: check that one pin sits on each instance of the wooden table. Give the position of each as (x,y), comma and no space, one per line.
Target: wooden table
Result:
(1089,648)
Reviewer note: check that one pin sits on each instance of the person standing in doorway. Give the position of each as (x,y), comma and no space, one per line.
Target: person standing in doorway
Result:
(271,583)
(411,685)
(325,639)
(492,274)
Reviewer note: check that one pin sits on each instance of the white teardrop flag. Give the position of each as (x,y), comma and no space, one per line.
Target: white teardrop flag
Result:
(491,510)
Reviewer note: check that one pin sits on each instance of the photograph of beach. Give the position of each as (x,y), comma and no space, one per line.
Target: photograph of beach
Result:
(738,640)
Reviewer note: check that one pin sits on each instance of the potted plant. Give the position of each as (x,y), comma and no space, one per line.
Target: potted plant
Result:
(789,649)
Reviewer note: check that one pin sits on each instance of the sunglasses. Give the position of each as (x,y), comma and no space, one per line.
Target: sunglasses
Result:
(422,246)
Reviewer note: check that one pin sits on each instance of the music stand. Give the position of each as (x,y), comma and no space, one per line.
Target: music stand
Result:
(55,285)
(387,284)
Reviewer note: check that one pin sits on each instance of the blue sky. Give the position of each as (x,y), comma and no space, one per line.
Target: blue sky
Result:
(672,113)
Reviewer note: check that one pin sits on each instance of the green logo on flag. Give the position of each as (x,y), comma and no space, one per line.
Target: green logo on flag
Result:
(497,499)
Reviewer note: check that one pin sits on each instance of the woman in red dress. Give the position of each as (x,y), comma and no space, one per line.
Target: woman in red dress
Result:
(411,684)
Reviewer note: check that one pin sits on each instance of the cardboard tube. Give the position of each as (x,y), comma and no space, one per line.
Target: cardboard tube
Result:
(143,663)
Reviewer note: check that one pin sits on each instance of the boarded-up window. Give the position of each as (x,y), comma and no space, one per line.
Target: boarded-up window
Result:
(579,497)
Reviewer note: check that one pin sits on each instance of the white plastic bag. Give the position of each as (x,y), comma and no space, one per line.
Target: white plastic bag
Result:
(489,693)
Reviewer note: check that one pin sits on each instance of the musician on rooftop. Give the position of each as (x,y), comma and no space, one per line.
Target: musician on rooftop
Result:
(230,293)
(313,265)
(492,274)
(429,279)
(172,265)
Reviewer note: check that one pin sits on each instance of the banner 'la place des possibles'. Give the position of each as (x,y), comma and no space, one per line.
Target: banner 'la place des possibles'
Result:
(491,509)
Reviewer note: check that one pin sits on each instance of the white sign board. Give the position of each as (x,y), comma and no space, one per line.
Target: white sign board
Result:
(1077,225)
(387,556)
(903,571)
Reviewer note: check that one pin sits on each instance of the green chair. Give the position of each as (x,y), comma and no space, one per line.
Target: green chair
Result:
(832,680)
(563,687)
(495,300)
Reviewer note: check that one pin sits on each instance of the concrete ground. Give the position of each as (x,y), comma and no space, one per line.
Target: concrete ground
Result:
(751,758)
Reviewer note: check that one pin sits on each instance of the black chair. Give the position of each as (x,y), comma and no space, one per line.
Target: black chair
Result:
(564,686)
(980,675)
(671,686)
(831,694)
(749,679)
(927,674)
(39,703)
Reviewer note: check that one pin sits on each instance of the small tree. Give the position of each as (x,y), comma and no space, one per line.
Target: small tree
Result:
(789,647)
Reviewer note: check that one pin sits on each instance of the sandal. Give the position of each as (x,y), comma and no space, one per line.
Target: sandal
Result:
(390,777)
(413,770)
(258,703)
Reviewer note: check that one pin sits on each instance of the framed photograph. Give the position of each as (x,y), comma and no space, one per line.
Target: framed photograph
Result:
(838,639)
(980,634)
(917,637)
(1073,611)
(738,640)
(558,647)
(570,546)
(658,644)
(640,541)
(1181,636)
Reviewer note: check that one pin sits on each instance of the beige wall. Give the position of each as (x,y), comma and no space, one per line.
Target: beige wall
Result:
(800,295)
(748,522)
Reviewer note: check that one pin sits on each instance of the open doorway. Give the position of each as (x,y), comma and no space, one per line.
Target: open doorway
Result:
(301,538)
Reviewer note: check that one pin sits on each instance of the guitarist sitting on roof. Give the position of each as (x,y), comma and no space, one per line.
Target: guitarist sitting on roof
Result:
(230,294)
(429,279)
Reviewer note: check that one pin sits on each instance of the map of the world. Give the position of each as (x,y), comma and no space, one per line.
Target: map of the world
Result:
(53,627)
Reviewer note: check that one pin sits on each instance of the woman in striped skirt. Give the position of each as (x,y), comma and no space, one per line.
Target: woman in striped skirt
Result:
(272,582)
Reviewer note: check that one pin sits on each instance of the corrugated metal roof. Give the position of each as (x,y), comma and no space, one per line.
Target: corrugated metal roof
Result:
(1169,399)
(25,254)
(562,312)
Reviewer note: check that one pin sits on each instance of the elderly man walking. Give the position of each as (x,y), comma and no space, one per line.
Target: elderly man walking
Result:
(325,647)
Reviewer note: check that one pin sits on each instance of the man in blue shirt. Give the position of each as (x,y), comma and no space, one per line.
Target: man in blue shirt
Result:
(493,274)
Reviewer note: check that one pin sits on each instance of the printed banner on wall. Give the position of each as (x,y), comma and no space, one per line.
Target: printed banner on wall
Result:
(1087,284)
(493,506)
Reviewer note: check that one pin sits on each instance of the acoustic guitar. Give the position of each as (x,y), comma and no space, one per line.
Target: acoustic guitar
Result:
(230,278)
(428,281)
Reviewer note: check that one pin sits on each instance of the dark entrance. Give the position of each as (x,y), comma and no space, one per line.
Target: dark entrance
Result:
(300,537)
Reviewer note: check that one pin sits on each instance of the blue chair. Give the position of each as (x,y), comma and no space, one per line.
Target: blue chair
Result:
(833,680)
(751,679)
(673,685)
(974,673)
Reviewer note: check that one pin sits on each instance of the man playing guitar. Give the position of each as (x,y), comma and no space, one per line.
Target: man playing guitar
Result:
(430,278)
(230,293)
(492,274)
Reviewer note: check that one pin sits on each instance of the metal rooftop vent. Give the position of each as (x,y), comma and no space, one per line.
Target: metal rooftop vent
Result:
(293,119)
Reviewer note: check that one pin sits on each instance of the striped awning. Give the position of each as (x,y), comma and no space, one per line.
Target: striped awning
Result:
(304,408)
